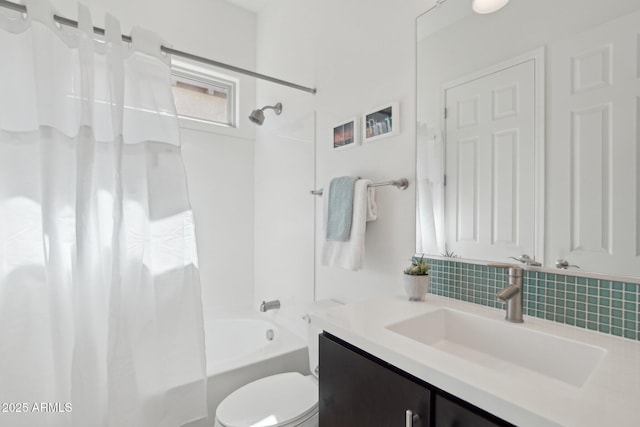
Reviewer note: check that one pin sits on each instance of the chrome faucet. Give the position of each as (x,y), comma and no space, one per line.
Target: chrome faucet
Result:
(269,305)
(512,294)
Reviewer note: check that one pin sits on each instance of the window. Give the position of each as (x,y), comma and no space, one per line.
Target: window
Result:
(202,95)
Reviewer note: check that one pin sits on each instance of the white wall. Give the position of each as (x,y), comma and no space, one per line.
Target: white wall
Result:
(219,165)
(359,55)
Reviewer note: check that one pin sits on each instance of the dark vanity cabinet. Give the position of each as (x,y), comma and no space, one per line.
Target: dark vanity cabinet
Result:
(451,412)
(358,389)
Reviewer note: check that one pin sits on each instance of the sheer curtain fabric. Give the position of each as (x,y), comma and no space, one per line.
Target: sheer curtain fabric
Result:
(100,308)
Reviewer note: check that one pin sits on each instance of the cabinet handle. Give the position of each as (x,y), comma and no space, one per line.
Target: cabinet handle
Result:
(410,418)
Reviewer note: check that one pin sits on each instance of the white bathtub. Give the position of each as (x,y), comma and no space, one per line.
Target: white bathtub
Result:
(238,352)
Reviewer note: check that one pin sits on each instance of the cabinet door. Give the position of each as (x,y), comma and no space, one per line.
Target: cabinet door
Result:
(357,391)
(452,414)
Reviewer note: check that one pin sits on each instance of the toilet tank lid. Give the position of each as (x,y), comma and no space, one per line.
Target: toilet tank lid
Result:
(321,305)
(271,401)
(324,303)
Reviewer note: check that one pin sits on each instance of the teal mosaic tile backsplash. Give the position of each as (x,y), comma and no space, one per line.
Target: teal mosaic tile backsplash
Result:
(606,306)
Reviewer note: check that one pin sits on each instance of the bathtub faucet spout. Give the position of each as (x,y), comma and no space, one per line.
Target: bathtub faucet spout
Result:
(269,305)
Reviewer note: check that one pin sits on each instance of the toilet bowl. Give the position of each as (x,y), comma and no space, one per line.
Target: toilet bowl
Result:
(282,400)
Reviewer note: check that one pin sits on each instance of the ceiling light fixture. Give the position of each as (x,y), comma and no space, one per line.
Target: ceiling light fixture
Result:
(488,6)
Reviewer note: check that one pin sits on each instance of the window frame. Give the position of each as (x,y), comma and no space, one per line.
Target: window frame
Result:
(206,78)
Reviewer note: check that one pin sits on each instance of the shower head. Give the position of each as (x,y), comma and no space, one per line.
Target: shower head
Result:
(257,116)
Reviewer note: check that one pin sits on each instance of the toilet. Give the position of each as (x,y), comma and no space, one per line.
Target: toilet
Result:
(282,400)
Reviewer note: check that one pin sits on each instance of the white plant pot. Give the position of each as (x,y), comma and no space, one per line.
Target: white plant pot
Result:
(416,287)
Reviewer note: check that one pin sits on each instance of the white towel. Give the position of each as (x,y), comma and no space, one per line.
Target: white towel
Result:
(350,254)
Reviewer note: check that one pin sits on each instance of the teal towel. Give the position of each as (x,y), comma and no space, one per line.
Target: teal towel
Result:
(340,208)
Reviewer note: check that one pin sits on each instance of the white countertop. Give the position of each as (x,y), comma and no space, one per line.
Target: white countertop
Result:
(610,397)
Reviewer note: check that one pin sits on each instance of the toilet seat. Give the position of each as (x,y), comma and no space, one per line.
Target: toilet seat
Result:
(280,400)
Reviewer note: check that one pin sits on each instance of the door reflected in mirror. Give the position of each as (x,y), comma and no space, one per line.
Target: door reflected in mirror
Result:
(528,134)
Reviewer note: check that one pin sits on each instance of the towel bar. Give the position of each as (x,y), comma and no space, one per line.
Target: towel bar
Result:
(401,184)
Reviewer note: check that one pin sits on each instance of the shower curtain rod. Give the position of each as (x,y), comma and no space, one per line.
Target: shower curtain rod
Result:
(100,31)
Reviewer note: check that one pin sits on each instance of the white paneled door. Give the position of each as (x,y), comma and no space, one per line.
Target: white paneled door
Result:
(594,205)
(490,163)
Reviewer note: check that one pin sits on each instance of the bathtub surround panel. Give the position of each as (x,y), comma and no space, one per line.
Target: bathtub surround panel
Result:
(223,215)
(607,306)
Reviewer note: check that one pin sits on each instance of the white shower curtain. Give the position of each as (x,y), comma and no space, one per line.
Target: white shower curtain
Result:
(100,308)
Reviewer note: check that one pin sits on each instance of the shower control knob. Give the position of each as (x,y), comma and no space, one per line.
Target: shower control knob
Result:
(526,259)
(564,264)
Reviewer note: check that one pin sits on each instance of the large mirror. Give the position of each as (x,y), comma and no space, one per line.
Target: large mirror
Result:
(528,133)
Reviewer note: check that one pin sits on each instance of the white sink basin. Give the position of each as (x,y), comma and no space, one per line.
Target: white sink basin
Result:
(505,347)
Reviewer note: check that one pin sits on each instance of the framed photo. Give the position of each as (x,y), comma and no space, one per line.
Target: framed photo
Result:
(346,134)
(381,122)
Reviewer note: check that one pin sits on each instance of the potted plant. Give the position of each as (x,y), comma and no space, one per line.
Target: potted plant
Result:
(416,278)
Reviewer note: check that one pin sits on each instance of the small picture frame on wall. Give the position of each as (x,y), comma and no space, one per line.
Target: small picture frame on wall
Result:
(381,122)
(346,134)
